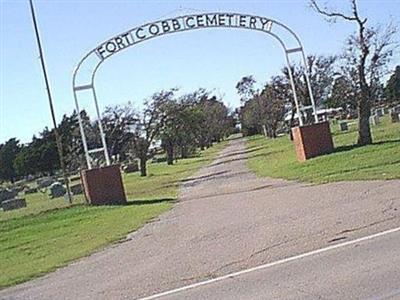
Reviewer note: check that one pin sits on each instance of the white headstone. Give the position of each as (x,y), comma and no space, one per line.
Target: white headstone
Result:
(374,120)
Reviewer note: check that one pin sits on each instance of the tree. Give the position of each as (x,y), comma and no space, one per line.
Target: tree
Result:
(273,104)
(117,121)
(39,156)
(194,120)
(343,94)
(147,125)
(46,148)
(71,141)
(23,162)
(215,122)
(249,113)
(392,89)
(71,136)
(8,152)
(265,109)
(321,70)
(171,130)
(245,88)
(368,51)
(322,73)
(181,127)
(250,118)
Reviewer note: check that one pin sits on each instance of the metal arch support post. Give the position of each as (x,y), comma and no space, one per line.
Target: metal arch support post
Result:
(81,127)
(102,135)
(310,92)
(85,147)
(292,84)
(296,101)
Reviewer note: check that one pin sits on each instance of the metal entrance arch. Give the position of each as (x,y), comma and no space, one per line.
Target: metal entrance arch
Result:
(85,71)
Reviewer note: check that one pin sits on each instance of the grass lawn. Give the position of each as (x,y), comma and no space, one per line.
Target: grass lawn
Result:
(48,233)
(276,158)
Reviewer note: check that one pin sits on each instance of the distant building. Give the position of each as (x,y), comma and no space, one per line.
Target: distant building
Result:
(324,114)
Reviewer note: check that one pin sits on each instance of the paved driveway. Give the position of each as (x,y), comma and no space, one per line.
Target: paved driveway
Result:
(227,220)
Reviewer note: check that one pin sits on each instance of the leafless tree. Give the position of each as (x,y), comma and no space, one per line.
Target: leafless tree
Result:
(368,51)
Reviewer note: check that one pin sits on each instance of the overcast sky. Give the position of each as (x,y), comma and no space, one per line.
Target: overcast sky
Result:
(215,59)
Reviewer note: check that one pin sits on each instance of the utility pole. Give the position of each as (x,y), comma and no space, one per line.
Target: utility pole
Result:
(57,136)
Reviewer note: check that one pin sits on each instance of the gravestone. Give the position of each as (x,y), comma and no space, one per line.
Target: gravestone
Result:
(394,116)
(6,194)
(19,188)
(75,178)
(379,112)
(131,167)
(61,180)
(57,190)
(76,189)
(344,126)
(13,204)
(29,190)
(44,182)
(374,120)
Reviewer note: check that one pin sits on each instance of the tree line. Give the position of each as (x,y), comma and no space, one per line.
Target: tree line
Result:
(180,125)
(264,110)
(351,80)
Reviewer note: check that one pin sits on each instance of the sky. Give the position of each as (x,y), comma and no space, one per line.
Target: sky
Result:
(215,59)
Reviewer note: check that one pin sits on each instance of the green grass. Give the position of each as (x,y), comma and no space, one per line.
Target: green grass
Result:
(37,203)
(381,160)
(48,233)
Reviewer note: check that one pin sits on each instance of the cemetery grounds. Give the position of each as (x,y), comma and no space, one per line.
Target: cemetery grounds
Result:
(381,160)
(50,233)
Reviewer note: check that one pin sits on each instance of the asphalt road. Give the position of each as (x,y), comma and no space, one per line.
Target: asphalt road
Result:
(364,270)
(227,220)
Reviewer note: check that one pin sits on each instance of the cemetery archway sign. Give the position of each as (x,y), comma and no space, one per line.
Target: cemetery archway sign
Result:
(84,73)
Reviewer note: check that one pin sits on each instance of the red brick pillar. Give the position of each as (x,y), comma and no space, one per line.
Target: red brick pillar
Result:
(103,186)
(312,140)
